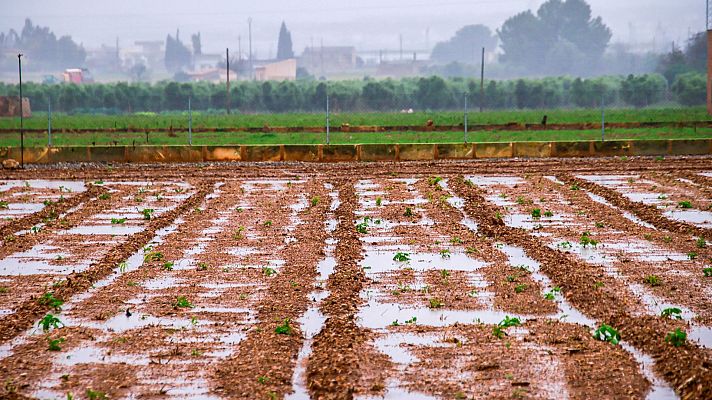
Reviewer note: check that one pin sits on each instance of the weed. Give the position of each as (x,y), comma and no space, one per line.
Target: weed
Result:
(653,280)
(99,182)
(509,321)
(434,180)
(435,303)
(575,187)
(606,333)
(707,272)
(202,266)
(662,197)
(521,200)
(268,271)
(445,253)
(401,257)
(408,212)
(315,201)
(284,329)
(536,213)
(36,229)
(193,321)
(238,234)
(685,204)
(701,243)
(50,321)
(118,221)
(395,323)
(96,395)
(196,353)
(263,380)
(54,344)
(676,338)
(104,196)
(445,274)
(600,225)
(267,224)
(168,266)
(4,290)
(548,214)
(675,313)
(147,213)
(471,250)
(182,302)
(4,204)
(667,239)
(239,209)
(692,255)
(47,203)
(48,299)
(511,278)
(498,216)
(123,266)
(132,284)
(520,288)
(455,240)
(648,237)
(379,201)
(138,199)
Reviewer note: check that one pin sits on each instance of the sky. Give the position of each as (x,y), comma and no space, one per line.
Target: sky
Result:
(366,24)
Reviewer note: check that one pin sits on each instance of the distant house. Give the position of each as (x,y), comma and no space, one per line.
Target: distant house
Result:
(77,75)
(206,75)
(278,71)
(322,60)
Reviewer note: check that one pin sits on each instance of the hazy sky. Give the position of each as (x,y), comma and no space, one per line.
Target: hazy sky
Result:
(366,24)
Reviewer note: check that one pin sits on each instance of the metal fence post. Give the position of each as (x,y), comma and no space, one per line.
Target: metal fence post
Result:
(49,122)
(190,123)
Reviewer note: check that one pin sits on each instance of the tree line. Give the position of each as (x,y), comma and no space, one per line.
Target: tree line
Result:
(431,93)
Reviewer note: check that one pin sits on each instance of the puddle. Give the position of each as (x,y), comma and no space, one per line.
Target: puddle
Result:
(109,230)
(325,268)
(378,262)
(487,180)
(660,389)
(394,345)
(626,214)
(701,335)
(703,219)
(71,186)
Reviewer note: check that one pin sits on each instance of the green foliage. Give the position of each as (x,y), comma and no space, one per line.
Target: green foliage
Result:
(315,201)
(96,395)
(499,330)
(4,205)
(362,228)
(168,265)
(54,344)
(685,204)
(692,255)
(653,280)
(408,212)
(153,256)
(267,271)
(118,221)
(586,240)
(551,295)
(401,257)
(182,302)
(671,312)
(701,243)
(536,213)
(49,300)
(147,213)
(263,380)
(104,196)
(445,253)
(676,338)
(435,303)
(434,180)
(575,187)
(707,272)
(284,329)
(606,333)
(548,214)
(520,288)
(49,321)
(379,201)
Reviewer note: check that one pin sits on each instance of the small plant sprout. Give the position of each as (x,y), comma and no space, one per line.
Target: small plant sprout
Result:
(692,255)
(239,233)
(123,266)
(598,285)
(401,257)
(118,221)
(202,266)
(408,212)
(685,204)
(600,225)
(586,240)
(395,323)
(147,213)
(575,187)
(411,321)
(49,322)
(653,280)
(565,245)
(498,331)
(701,243)
(498,216)
(4,205)
(99,182)
(445,253)
(193,321)
(153,256)
(606,333)
(104,196)
(520,288)
(96,395)
(434,180)
(676,338)
(48,299)
(548,214)
(267,271)
(54,344)
(267,224)
(671,312)
(284,329)
(379,201)
(455,240)
(362,228)
(315,201)
(707,272)
(168,266)
(662,197)
(536,213)
(435,303)
(182,302)
(551,295)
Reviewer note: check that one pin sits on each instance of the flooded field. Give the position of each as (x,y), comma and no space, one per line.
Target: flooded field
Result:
(547,280)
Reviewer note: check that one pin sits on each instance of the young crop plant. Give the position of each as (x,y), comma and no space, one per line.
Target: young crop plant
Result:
(104,196)
(4,205)
(445,253)
(565,245)
(456,240)
(551,295)
(606,333)
(168,266)
(267,224)
(676,338)
(701,243)
(284,329)
(153,256)
(263,380)
(315,201)
(267,271)
(548,214)
(434,180)
(147,213)
(411,321)
(707,272)
(362,228)
(202,266)
(671,312)
(498,330)
(536,213)
(600,225)
(50,321)
(379,201)
(692,255)
(685,204)
(575,187)
(54,344)
(182,302)
(401,257)
(521,200)
(48,299)
(520,288)
(586,240)
(118,221)
(238,234)
(96,395)
(653,280)
(435,303)
(408,212)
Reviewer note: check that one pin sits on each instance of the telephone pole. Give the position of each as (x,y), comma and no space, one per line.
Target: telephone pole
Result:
(482,82)
(249,25)
(227,98)
(22,116)
(708,21)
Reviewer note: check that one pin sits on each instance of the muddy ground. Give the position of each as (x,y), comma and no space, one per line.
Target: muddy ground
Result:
(465,280)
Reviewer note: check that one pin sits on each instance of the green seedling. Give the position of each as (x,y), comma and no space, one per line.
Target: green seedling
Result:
(408,212)
(548,214)
(472,293)
(685,204)
(667,239)
(202,266)
(54,344)
(536,213)
(435,303)
(653,280)
(267,224)
(284,329)
(586,240)
(551,295)
(445,253)
(575,187)
(315,201)
(123,266)
(50,321)
(671,312)
(168,266)
(521,200)
(565,245)
(238,234)
(147,213)
(138,199)
(520,288)
(196,353)
(598,285)
(96,395)
(511,278)
(263,380)
(509,322)
(182,302)
(662,197)
(4,290)
(104,196)
(47,203)
(379,201)
(401,257)
(608,334)
(434,180)
(48,299)
(395,323)
(193,321)
(36,229)
(99,182)
(701,243)
(456,240)
(600,225)
(692,255)
(4,205)
(498,216)
(118,221)
(153,256)
(411,321)
(268,271)
(676,338)
(707,272)
(445,274)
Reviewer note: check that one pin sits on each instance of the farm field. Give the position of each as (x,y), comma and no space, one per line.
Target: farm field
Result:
(247,138)
(512,279)
(179,121)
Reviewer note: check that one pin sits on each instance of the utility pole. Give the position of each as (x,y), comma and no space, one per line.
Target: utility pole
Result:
(482,82)
(190,123)
(227,98)
(466,94)
(328,122)
(22,116)
(603,119)
(249,24)
(709,58)
(49,122)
